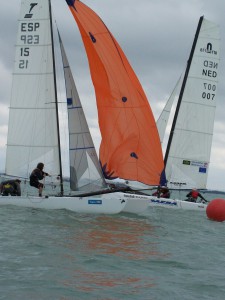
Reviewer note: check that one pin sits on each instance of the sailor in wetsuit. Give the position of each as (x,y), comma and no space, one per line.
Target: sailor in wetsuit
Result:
(10,187)
(36,175)
(162,192)
(193,196)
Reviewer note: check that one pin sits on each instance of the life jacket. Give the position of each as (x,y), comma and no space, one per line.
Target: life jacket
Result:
(194,194)
(7,189)
(7,186)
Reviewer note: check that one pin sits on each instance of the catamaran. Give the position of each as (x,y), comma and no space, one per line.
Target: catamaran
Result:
(188,150)
(130,147)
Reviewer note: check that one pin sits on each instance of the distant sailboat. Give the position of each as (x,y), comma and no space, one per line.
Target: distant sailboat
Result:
(33,133)
(188,150)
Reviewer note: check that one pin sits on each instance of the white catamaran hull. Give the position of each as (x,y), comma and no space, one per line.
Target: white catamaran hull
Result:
(176,204)
(108,203)
(135,203)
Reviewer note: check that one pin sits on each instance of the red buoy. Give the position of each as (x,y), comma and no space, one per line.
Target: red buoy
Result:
(216,210)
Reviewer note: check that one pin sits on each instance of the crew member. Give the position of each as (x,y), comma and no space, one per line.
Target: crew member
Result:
(36,175)
(162,192)
(10,187)
(193,196)
(165,193)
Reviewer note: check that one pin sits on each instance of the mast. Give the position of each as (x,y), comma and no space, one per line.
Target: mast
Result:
(56,102)
(182,90)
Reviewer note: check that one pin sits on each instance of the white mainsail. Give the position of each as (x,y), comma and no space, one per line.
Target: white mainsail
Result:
(85,169)
(32,131)
(192,134)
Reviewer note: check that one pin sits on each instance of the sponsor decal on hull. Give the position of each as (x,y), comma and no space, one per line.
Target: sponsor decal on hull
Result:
(94,201)
(166,202)
(134,196)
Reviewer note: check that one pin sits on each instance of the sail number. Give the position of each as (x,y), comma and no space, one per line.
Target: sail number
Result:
(28,39)
(209,89)
(24,51)
(23,63)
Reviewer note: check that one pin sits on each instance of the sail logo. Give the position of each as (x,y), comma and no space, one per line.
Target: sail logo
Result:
(29,15)
(199,164)
(209,49)
(202,170)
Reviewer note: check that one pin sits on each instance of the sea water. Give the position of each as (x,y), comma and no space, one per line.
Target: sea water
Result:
(160,254)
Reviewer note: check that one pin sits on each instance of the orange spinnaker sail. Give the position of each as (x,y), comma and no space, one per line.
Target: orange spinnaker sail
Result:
(130,146)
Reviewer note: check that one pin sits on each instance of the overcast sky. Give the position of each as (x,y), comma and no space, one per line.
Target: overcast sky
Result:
(156,36)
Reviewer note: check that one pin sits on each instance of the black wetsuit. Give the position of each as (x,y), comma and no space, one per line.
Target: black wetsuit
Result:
(35,176)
